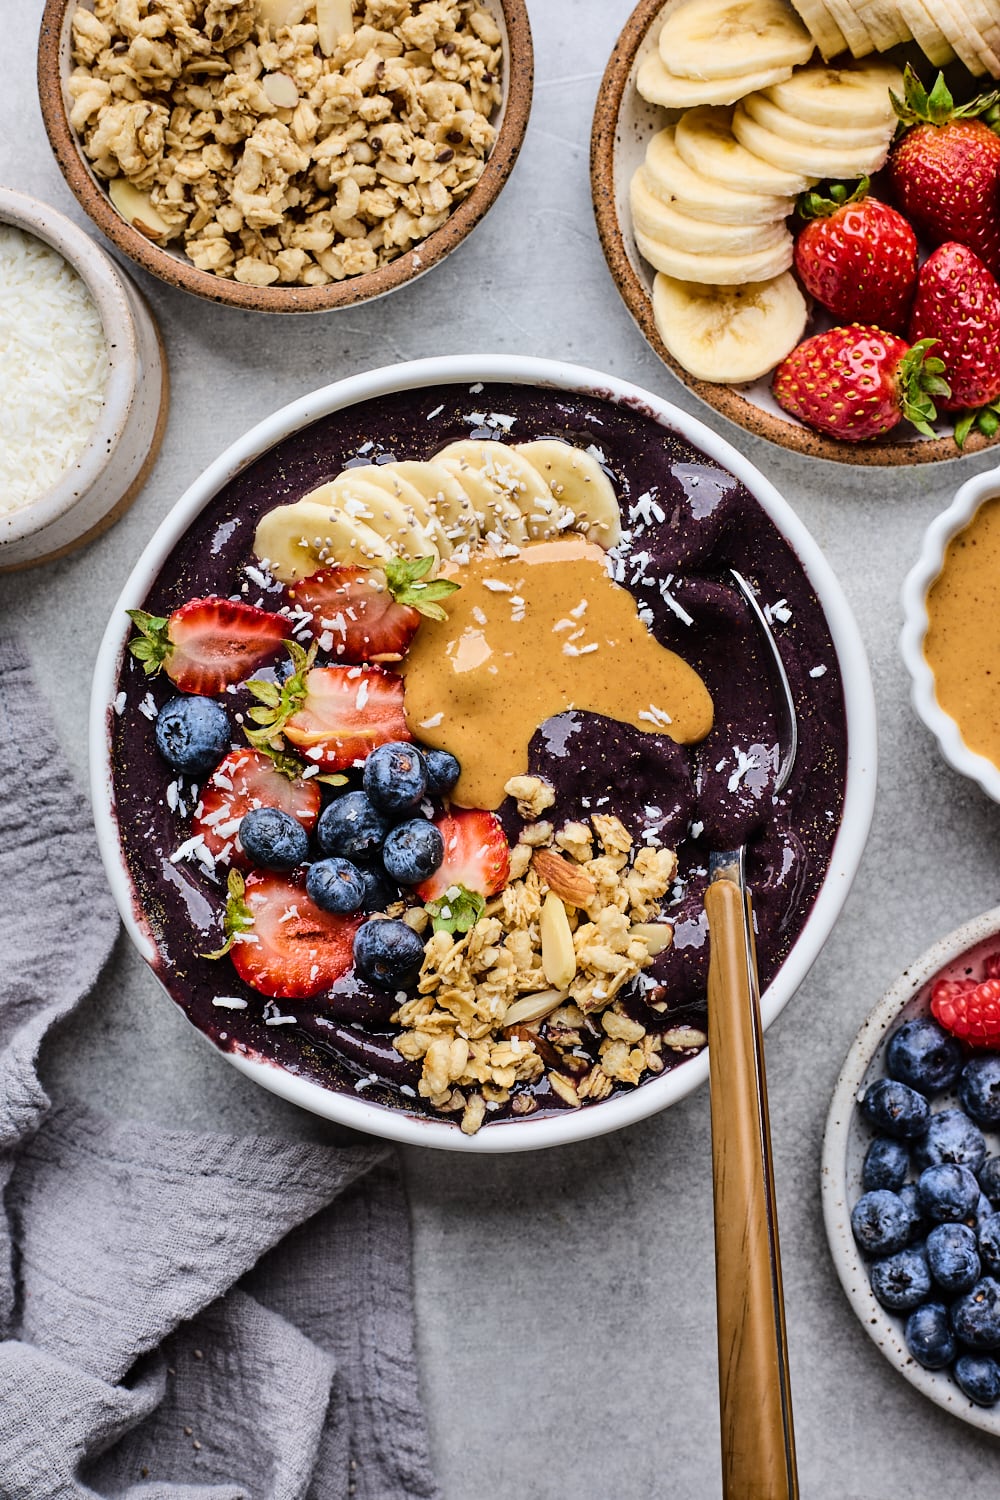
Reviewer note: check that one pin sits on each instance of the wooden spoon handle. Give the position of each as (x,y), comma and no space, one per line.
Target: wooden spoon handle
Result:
(758,1443)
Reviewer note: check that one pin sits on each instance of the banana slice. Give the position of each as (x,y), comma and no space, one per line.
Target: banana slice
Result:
(489,485)
(300,539)
(963,35)
(821,26)
(727,38)
(663,222)
(827,137)
(884,22)
(658,86)
(577,482)
(705,140)
(926,33)
(802,156)
(855,96)
(456,516)
(729,334)
(363,495)
(515,479)
(715,270)
(859,39)
(416,508)
(670,178)
(984,15)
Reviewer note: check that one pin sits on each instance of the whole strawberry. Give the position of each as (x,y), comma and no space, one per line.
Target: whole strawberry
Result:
(857,256)
(857,382)
(945,170)
(958,303)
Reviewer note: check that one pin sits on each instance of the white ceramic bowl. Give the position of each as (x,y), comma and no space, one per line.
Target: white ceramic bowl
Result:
(91,494)
(914,596)
(621,1109)
(847,1137)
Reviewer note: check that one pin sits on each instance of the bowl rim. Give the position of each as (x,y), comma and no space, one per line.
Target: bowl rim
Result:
(969,498)
(103,281)
(880,1325)
(727,400)
(859,703)
(179,272)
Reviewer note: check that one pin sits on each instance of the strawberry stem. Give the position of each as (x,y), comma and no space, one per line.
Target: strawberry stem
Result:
(152,645)
(458,910)
(919,378)
(279,703)
(816,205)
(918,107)
(409,584)
(237,917)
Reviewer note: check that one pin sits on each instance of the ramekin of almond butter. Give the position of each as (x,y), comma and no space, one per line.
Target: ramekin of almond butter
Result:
(285,155)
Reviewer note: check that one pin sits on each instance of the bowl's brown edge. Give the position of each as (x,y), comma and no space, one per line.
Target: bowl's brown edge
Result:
(726,400)
(168,268)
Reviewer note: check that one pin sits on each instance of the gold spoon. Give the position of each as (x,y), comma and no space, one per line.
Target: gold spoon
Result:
(755,1398)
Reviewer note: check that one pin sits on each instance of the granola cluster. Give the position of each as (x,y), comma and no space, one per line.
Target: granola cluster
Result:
(219,123)
(523,994)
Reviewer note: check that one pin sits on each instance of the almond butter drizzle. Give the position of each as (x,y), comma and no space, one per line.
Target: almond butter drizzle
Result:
(962,645)
(528,637)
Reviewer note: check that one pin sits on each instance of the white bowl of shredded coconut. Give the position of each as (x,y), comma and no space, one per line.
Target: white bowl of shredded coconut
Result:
(83,386)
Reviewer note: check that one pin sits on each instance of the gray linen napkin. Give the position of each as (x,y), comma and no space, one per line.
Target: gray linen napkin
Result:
(183,1317)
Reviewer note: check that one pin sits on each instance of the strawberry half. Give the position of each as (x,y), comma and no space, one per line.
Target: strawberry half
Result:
(958,303)
(207,644)
(345,713)
(968,1010)
(280,942)
(856,383)
(476,856)
(242,780)
(354,614)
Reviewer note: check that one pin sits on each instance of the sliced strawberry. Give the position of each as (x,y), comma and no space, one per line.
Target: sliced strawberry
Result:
(207,644)
(476,855)
(345,713)
(968,1010)
(244,779)
(354,614)
(281,942)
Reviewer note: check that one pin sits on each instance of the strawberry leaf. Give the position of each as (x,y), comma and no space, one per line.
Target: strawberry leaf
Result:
(409,584)
(919,378)
(814,205)
(458,910)
(237,917)
(918,107)
(279,703)
(964,426)
(152,645)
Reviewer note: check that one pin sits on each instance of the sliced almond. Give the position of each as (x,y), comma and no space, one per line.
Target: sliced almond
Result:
(281,90)
(568,881)
(334,19)
(533,1007)
(656,935)
(281,12)
(558,955)
(136,208)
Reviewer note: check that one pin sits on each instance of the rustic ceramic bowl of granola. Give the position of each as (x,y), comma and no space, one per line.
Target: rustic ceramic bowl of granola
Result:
(111,466)
(623,124)
(427,383)
(958,955)
(171,265)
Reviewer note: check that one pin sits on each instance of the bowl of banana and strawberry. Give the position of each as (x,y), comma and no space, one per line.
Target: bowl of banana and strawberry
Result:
(757,170)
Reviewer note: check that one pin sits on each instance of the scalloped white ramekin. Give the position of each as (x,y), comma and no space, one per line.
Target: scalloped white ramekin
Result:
(911,642)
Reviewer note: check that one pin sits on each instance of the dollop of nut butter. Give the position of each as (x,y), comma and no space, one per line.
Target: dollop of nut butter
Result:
(962,644)
(530,636)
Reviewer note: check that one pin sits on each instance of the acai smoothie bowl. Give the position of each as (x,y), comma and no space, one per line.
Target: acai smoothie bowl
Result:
(415,726)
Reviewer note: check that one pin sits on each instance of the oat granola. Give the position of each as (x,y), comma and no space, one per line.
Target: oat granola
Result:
(226,125)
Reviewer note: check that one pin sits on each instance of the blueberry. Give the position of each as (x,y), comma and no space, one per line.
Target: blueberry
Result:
(979,1089)
(395,778)
(901,1281)
(978,1377)
(886,1164)
(881,1222)
(929,1337)
(910,1199)
(335,885)
(953,1257)
(951,1137)
(388,953)
(989,1178)
(273,839)
(193,734)
(947,1192)
(352,827)
(443,770)
(976,1316)
(896,1109)
(922,1054)
(413,851)
(989,1243)
(380,891)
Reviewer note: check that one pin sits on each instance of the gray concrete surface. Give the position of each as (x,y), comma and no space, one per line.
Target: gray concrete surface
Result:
(565,1300)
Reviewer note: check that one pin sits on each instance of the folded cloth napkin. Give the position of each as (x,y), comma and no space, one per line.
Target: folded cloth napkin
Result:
(184,1317)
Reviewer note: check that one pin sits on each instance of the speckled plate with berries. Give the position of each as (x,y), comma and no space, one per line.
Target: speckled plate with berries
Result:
(667,182)
(948,968)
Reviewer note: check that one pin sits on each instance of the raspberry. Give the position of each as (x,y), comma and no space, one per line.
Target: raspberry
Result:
(970,1011)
